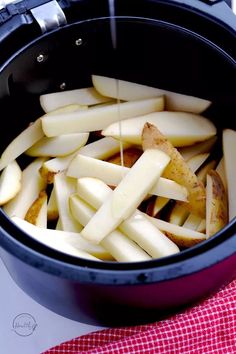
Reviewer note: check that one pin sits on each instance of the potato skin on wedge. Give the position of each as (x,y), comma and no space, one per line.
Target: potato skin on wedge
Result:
(177,170)
(130,156)
(33,212)
(184,242)
(217,206)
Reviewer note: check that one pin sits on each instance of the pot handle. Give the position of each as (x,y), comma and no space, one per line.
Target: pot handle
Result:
(218,9)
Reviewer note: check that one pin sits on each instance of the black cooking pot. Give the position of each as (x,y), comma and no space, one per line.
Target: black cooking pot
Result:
(183,46)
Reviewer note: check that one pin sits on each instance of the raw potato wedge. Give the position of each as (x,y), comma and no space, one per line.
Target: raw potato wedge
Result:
(129,91)
(85,96)
(99,118)
(100,149)
(181,128)
(28,137)
(51,167)
(180,235)
(41,220)
(104,104)
(229,147)
(31,185)
(111,174)
(64,187)
(67,109)
(155,206)
(216,206)
(58,225)
(220,169)
(52,209)
(203,147)
(197,161)
(202,173)
(202,226)
(22,142)
(178,214)
(130,156)
(177,170)
(116,243)
(37,213)
(192,222)
(65,242)
(137,227)
(10,182)
(128,195)
(58,146)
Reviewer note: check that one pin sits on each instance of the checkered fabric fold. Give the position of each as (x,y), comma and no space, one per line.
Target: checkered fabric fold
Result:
(209,327)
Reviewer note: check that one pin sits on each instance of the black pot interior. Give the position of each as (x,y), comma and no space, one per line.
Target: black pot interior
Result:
(149,52)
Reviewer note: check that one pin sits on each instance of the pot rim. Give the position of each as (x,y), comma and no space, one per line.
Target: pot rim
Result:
(212,251)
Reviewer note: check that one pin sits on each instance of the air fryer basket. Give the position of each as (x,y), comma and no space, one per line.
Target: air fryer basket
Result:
(150,52)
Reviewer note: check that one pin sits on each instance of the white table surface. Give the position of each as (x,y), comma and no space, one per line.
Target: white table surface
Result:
(51,329)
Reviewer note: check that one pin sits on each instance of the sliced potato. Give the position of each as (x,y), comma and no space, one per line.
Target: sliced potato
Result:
(202,173)
(116,243)
(67,109)
(202,226)
(220,169)
(111,101)
(127,196)
(180,235)
(111,174)
(31,185)
(58,146)
(100,149)
(85,96)
(59,225)
(156,205)
(181,128)
(10,182)
(52,209)
(65,242)
(178,214)
(98,118)
(130,156)
(129,91)
(137,227)
(22,142)
(177,170)
(37,213)
(51,167)
(192,222)
(229,146)
(147,236)
(64,187)
(217,206)
(188,152)
(28,137)
(196,161)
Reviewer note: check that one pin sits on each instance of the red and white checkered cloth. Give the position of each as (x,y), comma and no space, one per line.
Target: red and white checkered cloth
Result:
(209,327)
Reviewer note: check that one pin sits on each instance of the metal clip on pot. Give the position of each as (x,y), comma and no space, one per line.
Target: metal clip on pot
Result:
(49,16)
